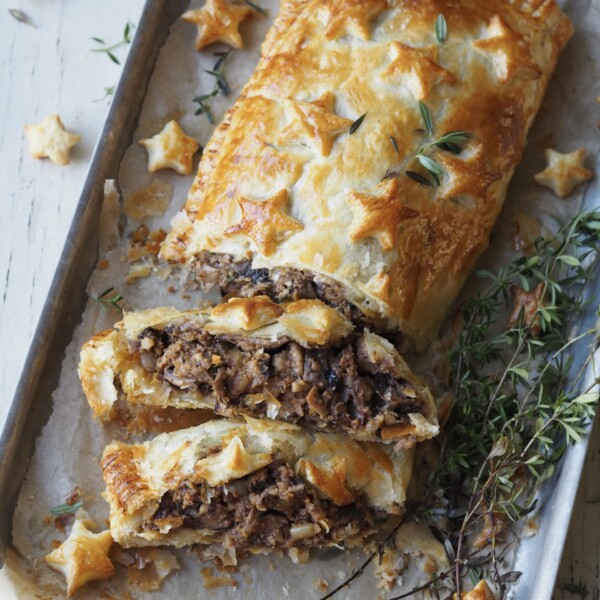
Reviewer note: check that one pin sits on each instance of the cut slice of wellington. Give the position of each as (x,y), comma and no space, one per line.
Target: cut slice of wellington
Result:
(334,176)
(251,485)
(303,362)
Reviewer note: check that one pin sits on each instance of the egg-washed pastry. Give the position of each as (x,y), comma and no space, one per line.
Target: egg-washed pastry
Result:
(251,486)
(303,363)
(325,180)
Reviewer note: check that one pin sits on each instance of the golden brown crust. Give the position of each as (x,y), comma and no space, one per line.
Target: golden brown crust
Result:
(338,468)
(378,58)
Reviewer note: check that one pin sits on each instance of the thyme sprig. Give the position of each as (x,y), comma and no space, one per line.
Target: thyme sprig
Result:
(109,49)
(519,401)
(109,297)
(450,142)
(513,416)
(220,86)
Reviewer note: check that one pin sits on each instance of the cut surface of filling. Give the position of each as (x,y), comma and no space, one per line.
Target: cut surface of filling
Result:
(238,278)
(270,508)
(335,388)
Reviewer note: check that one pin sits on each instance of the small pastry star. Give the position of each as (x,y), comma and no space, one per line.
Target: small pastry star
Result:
(171,149)
(49,139)
(416,68)
(564,172)
(379,215)
(352,17)
(465,176)
(314,121)
(508,52)
(218,21)
(264,222)
(82,557)
(526,306)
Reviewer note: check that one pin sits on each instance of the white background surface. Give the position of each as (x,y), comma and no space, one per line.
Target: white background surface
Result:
(51,69)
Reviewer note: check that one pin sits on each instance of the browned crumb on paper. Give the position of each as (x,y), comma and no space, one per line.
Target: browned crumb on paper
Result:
(525,229)
(142,254)
(150,201)
(150,567)
(320,585)
(212,582)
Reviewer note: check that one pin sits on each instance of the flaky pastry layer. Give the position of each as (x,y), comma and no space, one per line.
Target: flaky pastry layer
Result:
(251,485)
(291,180)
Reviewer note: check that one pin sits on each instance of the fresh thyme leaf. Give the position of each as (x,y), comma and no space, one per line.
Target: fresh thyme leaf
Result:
(220,86)
(441,28)
(419,178)
(357,123)
(65,509)
(258,9)
(431,165)
(108,91)
(20,16)
(426,116)
(105,299)
(394,144)
(390,174)
(109,50)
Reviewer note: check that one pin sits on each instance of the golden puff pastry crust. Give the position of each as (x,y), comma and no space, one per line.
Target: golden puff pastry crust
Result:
(165,491)
(287,183)
(302,362)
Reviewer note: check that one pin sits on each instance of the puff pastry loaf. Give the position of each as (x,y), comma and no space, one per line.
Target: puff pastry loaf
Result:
(291,201)
(252,486)
(302,362)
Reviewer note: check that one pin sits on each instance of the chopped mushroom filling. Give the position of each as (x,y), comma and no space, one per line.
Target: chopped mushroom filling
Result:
(238,278)
(334,388)
(269,508)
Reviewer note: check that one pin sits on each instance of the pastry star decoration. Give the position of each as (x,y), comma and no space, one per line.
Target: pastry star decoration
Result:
(218,21)
(82,557)
(564,172)
(416,68)
(264,222)
(351,17)
(379,215)
(49,139)
(171,149)
(508,52)
(314,121)
(466,177)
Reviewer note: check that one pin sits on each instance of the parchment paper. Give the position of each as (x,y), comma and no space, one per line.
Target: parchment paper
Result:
(69,448)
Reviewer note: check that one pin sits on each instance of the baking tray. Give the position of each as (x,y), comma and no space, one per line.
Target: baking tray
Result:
(31,406)
(30,409)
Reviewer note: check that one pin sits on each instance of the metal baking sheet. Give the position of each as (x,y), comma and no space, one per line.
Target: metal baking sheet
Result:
(538,557)
(30,408)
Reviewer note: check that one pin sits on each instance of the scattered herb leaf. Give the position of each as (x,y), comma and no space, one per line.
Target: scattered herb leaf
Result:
(65,509)
(108,50)
(419,178)
(357,123)
(426,115)
(258,9)
(108,91)
(108,298)
(20,16)
(395,144)
(441,28)
(220,86)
